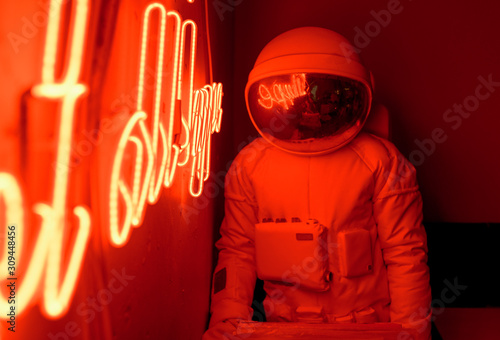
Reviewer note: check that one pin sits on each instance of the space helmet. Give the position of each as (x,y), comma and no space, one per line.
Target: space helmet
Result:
(308,92)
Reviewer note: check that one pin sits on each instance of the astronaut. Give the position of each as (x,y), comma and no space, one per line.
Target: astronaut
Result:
(337,206)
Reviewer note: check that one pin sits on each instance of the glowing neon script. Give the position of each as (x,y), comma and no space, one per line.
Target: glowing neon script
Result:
(155,146)
(206,120)
(47,259)
(55,262)
(281,93)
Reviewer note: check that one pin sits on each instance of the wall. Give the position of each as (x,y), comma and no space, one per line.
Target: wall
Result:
(151,282)
(156,285)
(426,57)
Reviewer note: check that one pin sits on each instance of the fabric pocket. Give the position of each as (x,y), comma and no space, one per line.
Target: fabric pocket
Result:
(355,253)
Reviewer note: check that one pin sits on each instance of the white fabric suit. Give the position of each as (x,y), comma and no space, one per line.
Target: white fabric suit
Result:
(367,187)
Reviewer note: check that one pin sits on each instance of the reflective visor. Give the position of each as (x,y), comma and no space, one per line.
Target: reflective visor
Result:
(308,112)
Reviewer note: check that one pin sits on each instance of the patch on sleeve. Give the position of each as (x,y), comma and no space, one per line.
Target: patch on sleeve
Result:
(220,280)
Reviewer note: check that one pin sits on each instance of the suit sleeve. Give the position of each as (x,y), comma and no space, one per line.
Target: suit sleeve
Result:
(398,213)
(235,276)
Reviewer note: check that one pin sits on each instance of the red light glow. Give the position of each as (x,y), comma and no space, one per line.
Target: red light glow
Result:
(147,141)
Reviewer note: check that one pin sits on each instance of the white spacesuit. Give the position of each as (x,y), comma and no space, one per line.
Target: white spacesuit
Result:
(330,217)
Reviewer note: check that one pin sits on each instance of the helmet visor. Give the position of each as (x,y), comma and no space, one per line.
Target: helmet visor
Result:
(308,112)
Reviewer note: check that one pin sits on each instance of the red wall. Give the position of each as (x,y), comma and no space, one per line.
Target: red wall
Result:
(428,57)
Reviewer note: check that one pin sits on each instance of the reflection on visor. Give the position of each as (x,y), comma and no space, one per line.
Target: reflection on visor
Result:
(282,94)
(303,106)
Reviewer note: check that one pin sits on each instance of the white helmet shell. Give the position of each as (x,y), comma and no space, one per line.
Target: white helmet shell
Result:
(308,92)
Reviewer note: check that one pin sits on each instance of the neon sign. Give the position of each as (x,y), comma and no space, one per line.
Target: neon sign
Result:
(282,94)
(147,139)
